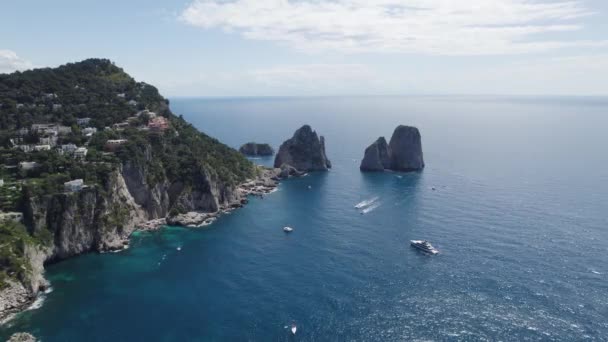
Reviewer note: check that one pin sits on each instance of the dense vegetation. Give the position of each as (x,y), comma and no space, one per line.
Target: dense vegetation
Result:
(93,88)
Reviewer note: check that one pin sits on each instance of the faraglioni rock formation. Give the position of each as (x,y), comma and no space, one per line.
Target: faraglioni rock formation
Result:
(255,149)
(305,152)
(403,153)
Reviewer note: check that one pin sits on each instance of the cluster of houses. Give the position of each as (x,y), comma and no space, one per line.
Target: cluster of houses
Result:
(156,124)
(49,136)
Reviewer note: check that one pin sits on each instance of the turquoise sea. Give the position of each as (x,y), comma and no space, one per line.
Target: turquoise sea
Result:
(519,212)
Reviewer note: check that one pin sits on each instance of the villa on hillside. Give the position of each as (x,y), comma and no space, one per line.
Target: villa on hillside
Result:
(80,153)
(68,148)
(89,131)
(112,145)
(158,125)
(28,165)
(42,148)
(51,129)
(49,140)
(73,185)
(25,148)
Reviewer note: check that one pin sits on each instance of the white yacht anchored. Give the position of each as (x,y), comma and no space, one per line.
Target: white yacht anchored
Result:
(424,246)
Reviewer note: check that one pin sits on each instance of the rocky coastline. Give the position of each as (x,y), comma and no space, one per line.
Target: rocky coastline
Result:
(17,297)
(265,183)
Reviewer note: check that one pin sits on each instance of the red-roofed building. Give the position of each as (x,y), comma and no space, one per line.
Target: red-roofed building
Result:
(158,124)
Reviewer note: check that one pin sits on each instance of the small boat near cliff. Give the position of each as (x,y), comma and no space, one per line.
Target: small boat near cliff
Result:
(424,246)
(287,229)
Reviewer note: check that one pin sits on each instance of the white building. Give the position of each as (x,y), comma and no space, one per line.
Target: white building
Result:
(28,165)
(89,131)
(112,145)
(1,182)
(56,106)
(74,185)
(68,148)
(63,129)
(81,152)
(25,148)
(132,103)
(42,148)
(50,140)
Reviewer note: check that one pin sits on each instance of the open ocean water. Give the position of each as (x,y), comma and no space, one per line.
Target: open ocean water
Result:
(519,213)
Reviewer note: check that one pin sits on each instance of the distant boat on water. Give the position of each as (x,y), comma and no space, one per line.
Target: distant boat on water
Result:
(424,246)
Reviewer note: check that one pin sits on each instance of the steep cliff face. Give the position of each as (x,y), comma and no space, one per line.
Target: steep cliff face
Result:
(94,219)
(305,151)
(203,192)
(403,153)
(406,149)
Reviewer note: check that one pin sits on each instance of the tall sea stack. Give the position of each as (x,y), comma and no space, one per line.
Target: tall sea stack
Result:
(305,152)
(403,153)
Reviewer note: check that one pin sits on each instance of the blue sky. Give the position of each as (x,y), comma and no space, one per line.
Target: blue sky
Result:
(315,47)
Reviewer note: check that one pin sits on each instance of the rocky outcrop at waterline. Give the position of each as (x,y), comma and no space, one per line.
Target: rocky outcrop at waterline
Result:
(253,149)
(305,152)
(22,337)
(403,153)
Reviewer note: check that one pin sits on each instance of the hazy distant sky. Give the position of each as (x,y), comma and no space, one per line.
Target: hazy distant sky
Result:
(315,47)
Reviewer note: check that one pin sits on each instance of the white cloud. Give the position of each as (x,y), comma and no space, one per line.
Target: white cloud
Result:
(9,62)
(439,27)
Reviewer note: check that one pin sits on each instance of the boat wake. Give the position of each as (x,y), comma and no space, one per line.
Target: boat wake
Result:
(370,208)
(366,203)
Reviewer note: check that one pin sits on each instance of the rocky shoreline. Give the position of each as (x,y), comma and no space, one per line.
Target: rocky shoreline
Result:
(16,298)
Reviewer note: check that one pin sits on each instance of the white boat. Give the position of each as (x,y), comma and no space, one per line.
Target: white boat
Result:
(287,229)
(424,246)
(366,203)
(294,329)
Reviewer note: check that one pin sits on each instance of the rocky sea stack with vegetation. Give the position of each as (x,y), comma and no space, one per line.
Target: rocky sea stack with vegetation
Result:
(88,154)
(253,149)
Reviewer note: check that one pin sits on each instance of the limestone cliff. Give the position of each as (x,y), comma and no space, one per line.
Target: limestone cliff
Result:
(96,218)
(403,153)
(305,151)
